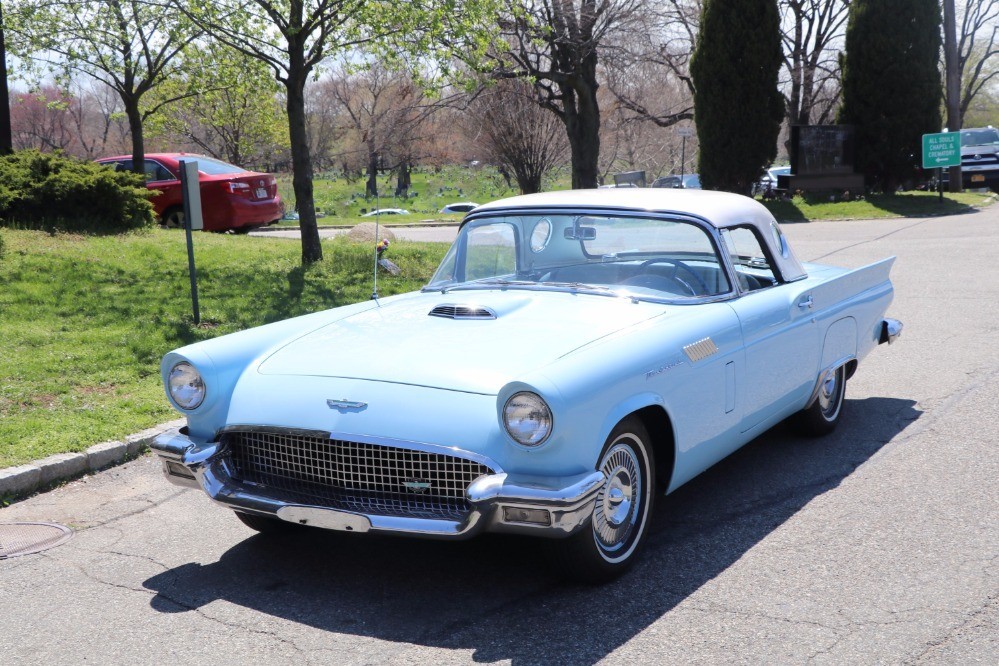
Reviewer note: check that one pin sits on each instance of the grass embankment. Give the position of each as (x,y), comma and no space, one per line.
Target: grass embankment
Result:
(85,320)
(875,206)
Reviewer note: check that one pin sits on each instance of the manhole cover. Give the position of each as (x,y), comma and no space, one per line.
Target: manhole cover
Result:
(27,538)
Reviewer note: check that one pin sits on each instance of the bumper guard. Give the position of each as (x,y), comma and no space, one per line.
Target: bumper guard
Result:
(551,507)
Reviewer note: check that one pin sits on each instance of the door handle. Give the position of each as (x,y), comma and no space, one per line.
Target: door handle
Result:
(806,303)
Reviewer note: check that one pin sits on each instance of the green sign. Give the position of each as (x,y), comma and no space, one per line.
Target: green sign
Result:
(941,150)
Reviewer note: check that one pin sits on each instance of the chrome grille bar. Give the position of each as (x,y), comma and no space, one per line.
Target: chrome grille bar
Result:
(353,476)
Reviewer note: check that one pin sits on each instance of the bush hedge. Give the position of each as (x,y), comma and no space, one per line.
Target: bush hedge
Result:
(55,192)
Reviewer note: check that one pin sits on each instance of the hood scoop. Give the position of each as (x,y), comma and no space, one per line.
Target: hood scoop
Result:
(453,311)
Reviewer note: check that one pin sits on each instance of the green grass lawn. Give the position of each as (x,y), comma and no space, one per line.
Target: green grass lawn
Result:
(876,206)
(85,320)
(342,201)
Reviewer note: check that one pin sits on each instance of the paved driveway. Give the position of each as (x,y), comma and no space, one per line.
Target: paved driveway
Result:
(877,544)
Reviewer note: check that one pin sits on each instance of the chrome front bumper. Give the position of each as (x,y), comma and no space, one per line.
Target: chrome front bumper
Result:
(554,507)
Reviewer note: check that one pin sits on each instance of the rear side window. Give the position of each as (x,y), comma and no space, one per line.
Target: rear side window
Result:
(754,268)
(156,171)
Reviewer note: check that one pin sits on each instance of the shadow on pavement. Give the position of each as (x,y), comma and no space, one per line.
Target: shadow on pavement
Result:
(492,596)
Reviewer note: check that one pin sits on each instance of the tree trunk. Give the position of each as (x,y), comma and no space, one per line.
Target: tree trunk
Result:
(6,139)
(403,180)
(953,85)
(135,127)
(371,188)
(301,164)
(582,126)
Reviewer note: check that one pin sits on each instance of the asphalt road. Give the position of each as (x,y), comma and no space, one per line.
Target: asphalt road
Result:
(877,544)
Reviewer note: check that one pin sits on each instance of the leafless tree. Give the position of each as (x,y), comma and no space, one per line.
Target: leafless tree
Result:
(558,45)
(519,136)
(40,119)
(98,121)
(383,110)
(978,44)
(811,31)
(646,68)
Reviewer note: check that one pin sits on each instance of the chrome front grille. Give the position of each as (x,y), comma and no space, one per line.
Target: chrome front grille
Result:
(352,476)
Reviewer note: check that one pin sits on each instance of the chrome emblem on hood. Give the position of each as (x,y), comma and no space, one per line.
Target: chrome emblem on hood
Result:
(416,485)
(345,404)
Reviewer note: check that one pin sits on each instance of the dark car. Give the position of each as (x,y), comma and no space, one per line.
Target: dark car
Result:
(690,181)
(231,197)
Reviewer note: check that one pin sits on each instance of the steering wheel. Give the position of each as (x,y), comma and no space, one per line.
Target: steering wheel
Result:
(677,264)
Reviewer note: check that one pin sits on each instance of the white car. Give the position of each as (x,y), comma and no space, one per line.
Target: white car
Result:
(462,207)
(768,181)
(387,211)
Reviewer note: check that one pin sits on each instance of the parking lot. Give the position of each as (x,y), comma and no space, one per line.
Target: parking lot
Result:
(877,544)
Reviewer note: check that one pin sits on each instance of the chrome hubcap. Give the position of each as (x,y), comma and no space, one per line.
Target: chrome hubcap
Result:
(829,394)
(615,512)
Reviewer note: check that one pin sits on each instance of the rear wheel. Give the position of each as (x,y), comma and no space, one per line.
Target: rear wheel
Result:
(823,416)
(620,519)
(172,218)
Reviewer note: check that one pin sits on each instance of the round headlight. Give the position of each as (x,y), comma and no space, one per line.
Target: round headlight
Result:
(527,418)
(186,386)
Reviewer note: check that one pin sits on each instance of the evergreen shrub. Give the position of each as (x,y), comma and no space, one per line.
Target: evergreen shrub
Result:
(56,192)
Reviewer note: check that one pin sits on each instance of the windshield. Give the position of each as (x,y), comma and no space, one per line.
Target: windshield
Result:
(979,137)
(640,257)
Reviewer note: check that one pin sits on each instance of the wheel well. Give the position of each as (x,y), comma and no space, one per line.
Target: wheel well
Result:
(660,429)
(851,367)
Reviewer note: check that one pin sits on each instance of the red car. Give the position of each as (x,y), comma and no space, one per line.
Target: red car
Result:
(231,196)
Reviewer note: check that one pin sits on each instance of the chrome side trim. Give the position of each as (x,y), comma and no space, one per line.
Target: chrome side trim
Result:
(890,330)
(824,375)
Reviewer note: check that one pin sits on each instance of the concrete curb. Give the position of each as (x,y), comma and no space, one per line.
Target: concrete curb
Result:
(390,225)
(25,479)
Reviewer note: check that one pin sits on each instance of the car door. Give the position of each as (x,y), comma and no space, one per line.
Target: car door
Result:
(779,333)
(159,178)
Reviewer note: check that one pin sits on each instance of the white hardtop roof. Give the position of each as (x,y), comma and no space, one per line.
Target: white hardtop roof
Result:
(721,209)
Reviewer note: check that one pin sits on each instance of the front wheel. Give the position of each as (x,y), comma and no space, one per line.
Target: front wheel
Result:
(620,520)
(823,416)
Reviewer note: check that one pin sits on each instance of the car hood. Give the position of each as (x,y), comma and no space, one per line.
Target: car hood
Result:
(401,342)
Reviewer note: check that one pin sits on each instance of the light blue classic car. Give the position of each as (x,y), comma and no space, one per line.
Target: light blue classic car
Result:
(575,354)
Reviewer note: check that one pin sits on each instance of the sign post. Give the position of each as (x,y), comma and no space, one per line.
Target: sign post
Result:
(190,185)
(683,133)
(939,151)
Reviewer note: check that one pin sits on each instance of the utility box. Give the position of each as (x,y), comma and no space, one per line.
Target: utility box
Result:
(633,178)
